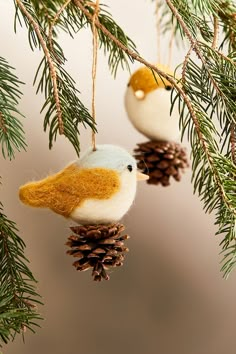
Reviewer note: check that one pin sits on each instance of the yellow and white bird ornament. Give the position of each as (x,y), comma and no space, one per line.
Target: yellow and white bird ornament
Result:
(147,102)
(99,188)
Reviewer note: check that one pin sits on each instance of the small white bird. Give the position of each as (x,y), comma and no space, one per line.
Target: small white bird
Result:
(98,188)
(147,102)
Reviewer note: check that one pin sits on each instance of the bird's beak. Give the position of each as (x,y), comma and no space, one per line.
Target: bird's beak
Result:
(141,176)
(139,94)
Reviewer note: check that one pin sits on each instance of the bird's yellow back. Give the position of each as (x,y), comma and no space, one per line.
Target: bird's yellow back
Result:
(68,189)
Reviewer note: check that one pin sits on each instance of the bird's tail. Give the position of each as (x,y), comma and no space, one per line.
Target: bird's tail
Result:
(37,194)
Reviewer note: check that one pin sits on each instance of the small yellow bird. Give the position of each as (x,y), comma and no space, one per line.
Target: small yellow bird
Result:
(147,102)
(98,188)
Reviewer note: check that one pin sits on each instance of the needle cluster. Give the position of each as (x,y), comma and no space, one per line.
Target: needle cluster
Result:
(18,297)
(209,83)
(11,128)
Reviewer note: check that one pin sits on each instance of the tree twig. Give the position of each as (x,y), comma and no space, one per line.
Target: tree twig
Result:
(233,142)
(199,54)
(2,123)
(193,42)
(53,23)
(185,63)
(216,32)
(52,68)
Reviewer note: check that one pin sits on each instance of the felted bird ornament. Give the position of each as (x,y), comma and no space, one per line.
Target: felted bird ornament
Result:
(148,105)
(99,188)
(147,102)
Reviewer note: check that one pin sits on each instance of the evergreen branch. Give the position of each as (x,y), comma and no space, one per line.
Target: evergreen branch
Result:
(52,68)
(46,10)
(54,21)
(18,297)
(166,22)
(11,130)
(2,124)
(72,111)
(233,142)
(105,24)
(220,179)
(71,19)
(227,15)
(185,63)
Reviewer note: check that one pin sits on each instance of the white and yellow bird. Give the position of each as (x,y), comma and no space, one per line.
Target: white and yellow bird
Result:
(147,102)
(98,188)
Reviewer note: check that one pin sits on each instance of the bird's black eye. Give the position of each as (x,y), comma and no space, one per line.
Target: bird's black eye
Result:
(168,88)
(130,168)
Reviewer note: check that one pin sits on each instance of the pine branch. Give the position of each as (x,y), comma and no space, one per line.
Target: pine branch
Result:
(216,32)
(233,142)
(209,86)
(46,10)
(227,15)
(51,66)
(64,110)
(11,130)
(17,293)
(18,297)
(54,21)
(75,15)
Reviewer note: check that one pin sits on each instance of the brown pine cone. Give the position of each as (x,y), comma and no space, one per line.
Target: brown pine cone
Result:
(161,160)
(99,247)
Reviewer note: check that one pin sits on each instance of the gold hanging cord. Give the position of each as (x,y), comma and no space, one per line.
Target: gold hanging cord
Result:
(94,65)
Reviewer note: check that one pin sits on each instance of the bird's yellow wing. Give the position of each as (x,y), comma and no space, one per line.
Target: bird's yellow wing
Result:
(66,190)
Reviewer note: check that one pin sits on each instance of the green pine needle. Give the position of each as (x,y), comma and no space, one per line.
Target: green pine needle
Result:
(11,129)
(18,296)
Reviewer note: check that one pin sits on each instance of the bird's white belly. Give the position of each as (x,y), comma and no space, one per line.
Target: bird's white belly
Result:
(94,211)
(151,116)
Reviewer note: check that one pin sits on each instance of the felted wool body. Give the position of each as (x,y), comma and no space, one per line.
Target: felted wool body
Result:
(150,112)
(98,188)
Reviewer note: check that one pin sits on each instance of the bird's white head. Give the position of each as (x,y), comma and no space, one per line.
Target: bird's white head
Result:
(112,157)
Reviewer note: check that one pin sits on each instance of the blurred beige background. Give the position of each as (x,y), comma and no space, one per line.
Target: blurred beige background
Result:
(169,298)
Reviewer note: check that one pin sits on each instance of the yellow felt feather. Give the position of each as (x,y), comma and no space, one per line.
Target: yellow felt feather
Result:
(69,188)
(146,80)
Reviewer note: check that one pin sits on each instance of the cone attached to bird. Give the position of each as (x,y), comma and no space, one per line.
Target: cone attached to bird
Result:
(97,247)
(97,189)
(147,102)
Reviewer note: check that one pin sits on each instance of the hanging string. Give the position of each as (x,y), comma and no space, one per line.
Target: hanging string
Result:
(94,65)
(171,42)
(158,25)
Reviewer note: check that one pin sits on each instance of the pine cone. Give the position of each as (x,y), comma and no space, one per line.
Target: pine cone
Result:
(161,160)
(99,247)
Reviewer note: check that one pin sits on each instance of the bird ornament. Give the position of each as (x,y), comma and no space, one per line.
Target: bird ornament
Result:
(147,102)
(148,106)
(99,188)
